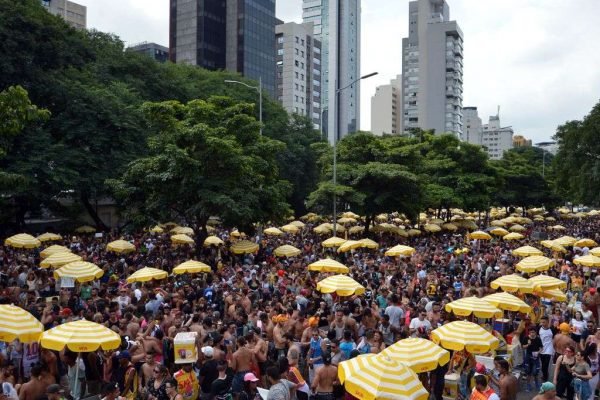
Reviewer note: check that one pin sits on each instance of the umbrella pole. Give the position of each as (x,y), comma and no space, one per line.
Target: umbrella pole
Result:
(77,376)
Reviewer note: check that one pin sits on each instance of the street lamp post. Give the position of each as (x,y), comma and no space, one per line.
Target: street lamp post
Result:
(259,90)
(542,146)
(336,133)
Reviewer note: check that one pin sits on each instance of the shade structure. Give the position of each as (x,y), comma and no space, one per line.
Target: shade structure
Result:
(333,242)
(59,259)
(212,241)
(449,227)
(595,251)
(588,261)
(459,335)
(329,265)
(350,214)
(552,294)
(552,245)
(400,250)
(469,225)
(16,323)
(545,282)
(147,274)
(182,238)
(346,220)
(534,264)
(565,240)
(55,248)
(185,230)
(157,229)
(298,224)
(22,241)
(525,251)
(507,302)
(420,355)
(356,229)
(349,245)
(321,230)
(512,283)
(287,251)
(432,228)
(49,237)
(272,231)
(556,227)
(192,267)
(585,243)
(120,246)
(80,336)
(498,222)
(369,244)
(473,305)
(513,236)
(81,271)
(244,247)
(289,228)
(85,229)
(517,228)
(413,232)
(341,284)
(481,235)
(381,217)
(371,376)
(499,232)
(436,221)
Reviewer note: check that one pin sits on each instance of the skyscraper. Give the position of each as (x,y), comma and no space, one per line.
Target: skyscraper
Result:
(74,14)
(386,108)
(432,61)
(337,26)
(237,35)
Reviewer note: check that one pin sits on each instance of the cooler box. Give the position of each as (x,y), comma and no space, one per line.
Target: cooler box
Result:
(451,386)
(186,350)
(503,326)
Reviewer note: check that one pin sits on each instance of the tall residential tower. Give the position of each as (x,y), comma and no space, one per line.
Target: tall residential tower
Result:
(386,108)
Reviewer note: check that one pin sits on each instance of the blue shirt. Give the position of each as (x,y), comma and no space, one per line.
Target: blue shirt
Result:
(316,351)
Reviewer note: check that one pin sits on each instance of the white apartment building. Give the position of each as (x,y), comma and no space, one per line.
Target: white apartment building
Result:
(386,108)
(493,137)
(74,14)
(472,126)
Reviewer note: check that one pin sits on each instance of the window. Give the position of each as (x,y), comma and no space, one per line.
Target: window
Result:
(280,39)
(296,86)
(296,63)
(302,53)
(302,42)
(297,52)
(302,65)
(297,39)
(296,97)
(302,76)
(280,52)
(296,74)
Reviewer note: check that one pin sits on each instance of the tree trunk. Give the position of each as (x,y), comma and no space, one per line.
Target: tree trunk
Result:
(368,220)
(85,200)
(202,234)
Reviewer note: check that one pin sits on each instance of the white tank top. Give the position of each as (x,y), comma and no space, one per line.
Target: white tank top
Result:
(546,337)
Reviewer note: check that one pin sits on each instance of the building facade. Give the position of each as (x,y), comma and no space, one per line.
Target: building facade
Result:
(337,27)
(472,126)
(74,14)
(386,108)
(299,70)
(432,69)
(521,141)
(153,50)
(495,138)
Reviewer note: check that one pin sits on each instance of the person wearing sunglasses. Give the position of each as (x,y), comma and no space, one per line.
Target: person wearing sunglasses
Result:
(156,386)
(171,389)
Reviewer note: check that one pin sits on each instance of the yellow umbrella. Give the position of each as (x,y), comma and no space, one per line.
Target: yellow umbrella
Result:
(480,235)
(157,229)
(244,247)
(459,335)
(552,294)
(345,220)
(272,231)
(333,242)
(498,222)
(48,251)
(557,227)
(472,305)
(499,232)
(413,232)
(235,233)
(517,228)
(507,302)
(170,224)
(369,244)
(59,259)
(289,228)
(80,336)
(81,271)
(513,236)
(450,227)
(184,230)
(420,355)
(588,261)
(48,237)
(321,230)
(212,241)
(468,224)
(147,274)
(565,240)
(120,247)
(191,267)
(287,251)
(432,228)
(350,214)
(85,229)
(22,241)
(356,229)
(381,217)
(545,282)
(552,245)
(595,251)
(341,284)
(182,239)
(534,264)
(585,243)
(525,251)
(349,245)
(297,223)
(436,221)
(329,265)
(400,250)
(512,283)
(16,323)
(371,377)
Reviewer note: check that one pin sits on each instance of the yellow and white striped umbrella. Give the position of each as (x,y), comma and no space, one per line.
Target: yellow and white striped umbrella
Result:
(420,355)
(287,251)
(85,229)
(349,245)
(450,227)
(400,250)
(369,244)
(16,323)
(595,251)
(498,222)
(191,267)
(147,274)
(346,220)
(212,241)
(512,283)
(556,227)
(341,284)
(432,228)
(329,265)
(499,231)
(333,242)
(182,238)
(289,228)
(507,302)
(413,232)
(356,229)
(517,228)
(120,246)
(55,248)
(49,237)
(525,251)
(371,376)
(534,264)
(297,223)
(545,282)
(350,214)
(585,243)
(473,305)
(459,335)
(513,236)
(272,231)
(183,230)
(552,294)
(244,247)
(80,336)
(565,240)
(22,241)
(588,261)
(59,259)
(552,245)
(481,235)
(81,271)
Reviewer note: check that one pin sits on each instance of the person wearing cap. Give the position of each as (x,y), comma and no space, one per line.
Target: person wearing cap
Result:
(547,392)
(250,391)
(111,391)
(208,371)
(562,340)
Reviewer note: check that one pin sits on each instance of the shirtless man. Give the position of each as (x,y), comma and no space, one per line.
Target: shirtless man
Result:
(36,387)
(196,326)
(509,386)
(133,326)
(547,392)
(261,350)
(562,340)
(147,370)
(324,380)
(279,338)
(241,362)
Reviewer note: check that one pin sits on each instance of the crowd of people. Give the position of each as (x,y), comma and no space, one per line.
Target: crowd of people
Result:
(261,323)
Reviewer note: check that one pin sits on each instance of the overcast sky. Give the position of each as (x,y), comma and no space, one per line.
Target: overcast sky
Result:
(538,59)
